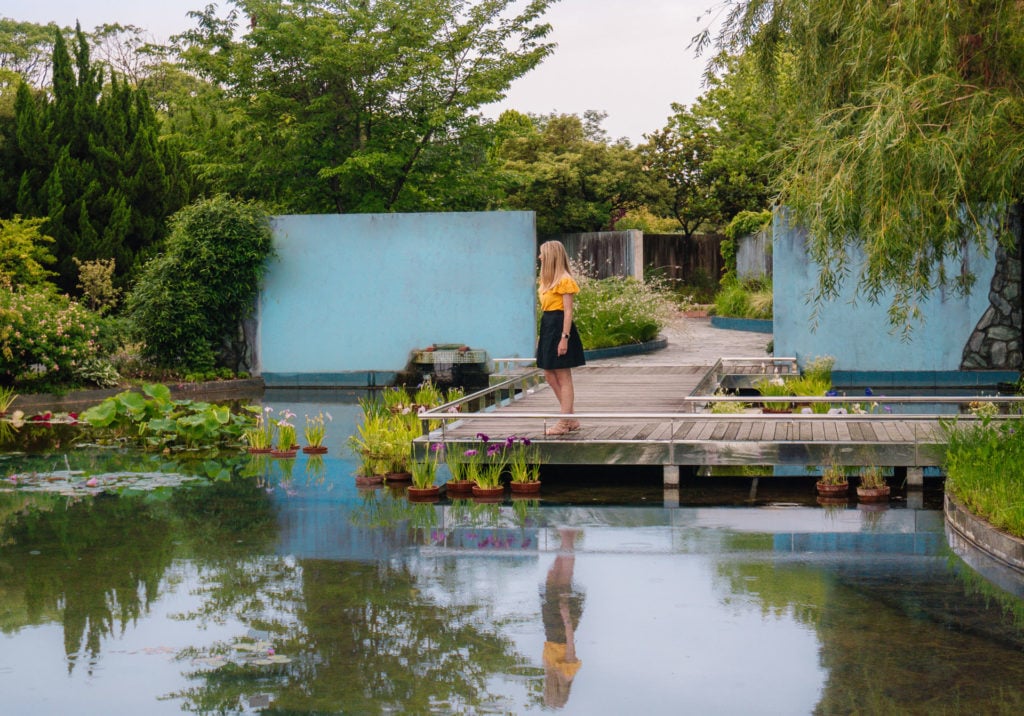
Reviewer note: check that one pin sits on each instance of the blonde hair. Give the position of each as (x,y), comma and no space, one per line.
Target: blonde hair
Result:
(554,263)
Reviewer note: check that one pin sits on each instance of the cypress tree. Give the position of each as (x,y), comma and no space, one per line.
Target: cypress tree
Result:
(89,159)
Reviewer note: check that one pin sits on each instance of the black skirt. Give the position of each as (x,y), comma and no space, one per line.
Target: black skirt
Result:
(547,343)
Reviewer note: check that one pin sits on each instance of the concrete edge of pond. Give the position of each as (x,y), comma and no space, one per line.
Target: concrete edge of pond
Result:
(80,399)
(978,534)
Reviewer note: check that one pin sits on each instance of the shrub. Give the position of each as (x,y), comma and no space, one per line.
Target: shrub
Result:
(23,253)
(745,299)
(43,337)
(619,311)
(189,302)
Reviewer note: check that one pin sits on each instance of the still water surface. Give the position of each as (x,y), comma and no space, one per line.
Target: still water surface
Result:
(285,589)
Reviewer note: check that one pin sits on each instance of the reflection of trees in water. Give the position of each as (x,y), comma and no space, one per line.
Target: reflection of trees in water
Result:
(896,636)
(95,564)
(362,639)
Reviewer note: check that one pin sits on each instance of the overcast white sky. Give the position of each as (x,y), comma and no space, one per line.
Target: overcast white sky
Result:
(629,58)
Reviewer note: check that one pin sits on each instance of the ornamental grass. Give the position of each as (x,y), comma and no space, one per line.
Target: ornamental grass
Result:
(984,465)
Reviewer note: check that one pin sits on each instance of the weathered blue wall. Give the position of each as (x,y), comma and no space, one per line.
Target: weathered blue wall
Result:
(352,295)
(858,335)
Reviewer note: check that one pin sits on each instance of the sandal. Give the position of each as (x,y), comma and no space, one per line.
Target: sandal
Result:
(573,425)
(562,427)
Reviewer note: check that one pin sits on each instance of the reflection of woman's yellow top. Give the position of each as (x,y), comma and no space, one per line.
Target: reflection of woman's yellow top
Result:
(551,299)
(554,657)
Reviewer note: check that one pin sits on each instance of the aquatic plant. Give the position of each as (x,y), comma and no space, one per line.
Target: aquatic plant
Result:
(872,477)
(424,472)
(152,419)
(834,474)
(7,397)
(285,430)
(523,459)
(370,443)
(261,435)
(316,428)
(774,387)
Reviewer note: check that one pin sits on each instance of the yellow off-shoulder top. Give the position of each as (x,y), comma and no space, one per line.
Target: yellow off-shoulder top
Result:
(551,299)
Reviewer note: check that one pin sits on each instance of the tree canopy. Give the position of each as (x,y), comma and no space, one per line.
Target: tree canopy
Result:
(911,145)
(338,106)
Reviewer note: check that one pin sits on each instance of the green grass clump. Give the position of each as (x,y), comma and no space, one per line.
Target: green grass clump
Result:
(745,299)
(984,466)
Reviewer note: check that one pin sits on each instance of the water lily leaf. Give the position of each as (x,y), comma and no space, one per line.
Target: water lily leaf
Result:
(279,659)
(157,391)
(100,416)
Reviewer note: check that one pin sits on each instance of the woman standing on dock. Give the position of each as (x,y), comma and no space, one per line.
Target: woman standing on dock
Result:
(559,348)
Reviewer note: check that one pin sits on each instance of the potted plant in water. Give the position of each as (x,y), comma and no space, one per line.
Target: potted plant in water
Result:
(460,465)
(488,476)
(260,437)
(771,388)
(424,475)
(523,465)
(285,436)
(833,482)
(369,444)
(872,487)
(314,432)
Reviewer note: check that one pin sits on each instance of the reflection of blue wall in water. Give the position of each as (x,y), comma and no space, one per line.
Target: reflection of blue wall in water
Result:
(859,335)
(350,295)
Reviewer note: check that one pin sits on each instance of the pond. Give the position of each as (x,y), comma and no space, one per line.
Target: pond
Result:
(267,586)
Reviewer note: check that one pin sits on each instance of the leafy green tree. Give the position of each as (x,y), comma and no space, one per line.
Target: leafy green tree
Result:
(714,158)
(563,168)
(189,302)
(913,138)
(25,49)
(337,106)
(88,157)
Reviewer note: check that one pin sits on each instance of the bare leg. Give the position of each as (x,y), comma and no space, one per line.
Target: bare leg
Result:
(560,381)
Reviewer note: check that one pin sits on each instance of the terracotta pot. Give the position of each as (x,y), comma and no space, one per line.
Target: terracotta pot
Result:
(398,477)
(283,453)
(776,411)
(314,449)
(416,494)
(369,479)
(258,451)
(873,494)
(523,488)
(488,491)
(832,490)
(458,487)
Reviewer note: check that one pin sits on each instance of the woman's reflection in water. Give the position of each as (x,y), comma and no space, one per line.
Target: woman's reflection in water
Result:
(561,606)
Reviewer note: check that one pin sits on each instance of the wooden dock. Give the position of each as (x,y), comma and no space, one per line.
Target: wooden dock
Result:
(649,415)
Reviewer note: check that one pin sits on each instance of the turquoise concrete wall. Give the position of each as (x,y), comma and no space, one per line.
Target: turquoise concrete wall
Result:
(858,334)
(355,294)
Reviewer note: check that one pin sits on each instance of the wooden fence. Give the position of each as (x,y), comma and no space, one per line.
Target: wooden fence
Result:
(670,256)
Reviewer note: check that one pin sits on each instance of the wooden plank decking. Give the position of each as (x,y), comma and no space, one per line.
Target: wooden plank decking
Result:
(640,415)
